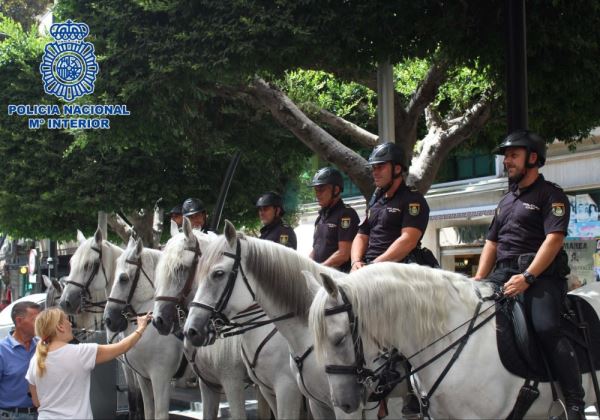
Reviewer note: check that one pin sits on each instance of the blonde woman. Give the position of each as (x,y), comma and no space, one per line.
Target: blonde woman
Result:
(59,372)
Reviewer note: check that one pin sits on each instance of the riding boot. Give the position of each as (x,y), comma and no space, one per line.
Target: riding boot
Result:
(411,402)
(566,368)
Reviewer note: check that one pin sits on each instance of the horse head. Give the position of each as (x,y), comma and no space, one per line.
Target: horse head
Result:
(133,286)
(335,328)
(175,276)
(54,290)
(88,273)
(218,296)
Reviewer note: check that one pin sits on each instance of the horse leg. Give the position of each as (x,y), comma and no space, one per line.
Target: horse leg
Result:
(147,395)
(161,387)
(234,389)
(210,400)
(289,400)
(134,394)
(266,403)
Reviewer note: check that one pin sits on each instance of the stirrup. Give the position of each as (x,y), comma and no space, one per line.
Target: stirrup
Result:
(557,410)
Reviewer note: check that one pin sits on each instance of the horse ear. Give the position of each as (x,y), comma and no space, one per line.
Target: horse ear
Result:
(57,285)
(98,236)
(174,228)
(230,233)
(187,227)
(47,281)
(80,237)
(139,246)
(329,284)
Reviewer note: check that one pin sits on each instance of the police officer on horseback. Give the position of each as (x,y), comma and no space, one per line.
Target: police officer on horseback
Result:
(194,210)
(270,212)
(337,223)
(397,215)
(176,215)
(525,244)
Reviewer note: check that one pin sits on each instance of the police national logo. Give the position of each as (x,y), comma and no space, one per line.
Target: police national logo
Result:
(345,222)
(69,66)
(558,209)
(414,209)
(283,239)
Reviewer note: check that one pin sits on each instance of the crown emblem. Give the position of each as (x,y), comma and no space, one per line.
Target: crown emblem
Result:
(69,31)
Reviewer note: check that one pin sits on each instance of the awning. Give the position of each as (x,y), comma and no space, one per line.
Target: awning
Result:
(462,213)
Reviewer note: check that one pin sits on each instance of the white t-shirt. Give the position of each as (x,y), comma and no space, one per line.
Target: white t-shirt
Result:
(64,389)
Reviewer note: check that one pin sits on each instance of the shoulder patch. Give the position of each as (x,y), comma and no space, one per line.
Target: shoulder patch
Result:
(414,209)
(558,209)
(283,239)
(345,223)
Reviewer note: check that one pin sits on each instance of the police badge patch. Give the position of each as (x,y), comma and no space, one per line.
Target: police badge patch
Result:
(283,239)
(558,209)
(345,222)
(69,65)
(414,209)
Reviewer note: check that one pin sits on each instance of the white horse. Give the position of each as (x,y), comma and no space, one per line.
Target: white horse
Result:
(408,307)
(155,358)
(219,367)
(248,269)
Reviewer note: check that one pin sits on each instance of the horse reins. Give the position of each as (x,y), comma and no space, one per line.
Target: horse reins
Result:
(85,292)
(128,312)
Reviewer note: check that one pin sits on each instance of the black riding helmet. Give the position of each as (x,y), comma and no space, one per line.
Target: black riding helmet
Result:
(270,199)
(389,152)
(527,139)
(192,206)
(328,176)
(176,210)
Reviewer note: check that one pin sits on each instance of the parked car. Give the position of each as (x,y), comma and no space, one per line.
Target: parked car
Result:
(6,323)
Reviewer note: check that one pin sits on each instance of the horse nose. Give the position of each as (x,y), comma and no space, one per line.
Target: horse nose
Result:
(346,408)
(108,323)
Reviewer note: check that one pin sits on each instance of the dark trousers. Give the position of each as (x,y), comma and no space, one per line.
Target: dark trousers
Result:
(543,304)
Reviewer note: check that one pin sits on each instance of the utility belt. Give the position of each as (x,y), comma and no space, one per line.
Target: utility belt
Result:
(20,410)
(419,255)
(558,268)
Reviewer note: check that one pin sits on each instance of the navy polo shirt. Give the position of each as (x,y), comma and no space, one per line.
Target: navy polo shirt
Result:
(14,362)
(388,216)
(524,218)
(334,224)
(279,232)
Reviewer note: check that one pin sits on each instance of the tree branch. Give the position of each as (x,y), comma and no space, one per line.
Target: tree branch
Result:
(438,143)
(119,226)
(346,128)
(317,139)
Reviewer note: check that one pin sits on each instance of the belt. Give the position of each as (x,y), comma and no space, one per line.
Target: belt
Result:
(508,263)
(20,410)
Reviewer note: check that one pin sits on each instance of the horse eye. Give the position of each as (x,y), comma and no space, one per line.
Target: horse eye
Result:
(339,340)
(219,273)
(123,278)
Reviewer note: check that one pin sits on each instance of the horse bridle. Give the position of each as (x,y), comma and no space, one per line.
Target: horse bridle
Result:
(187,287)
(128,311)
(218,318)
(358,368)
(85,292)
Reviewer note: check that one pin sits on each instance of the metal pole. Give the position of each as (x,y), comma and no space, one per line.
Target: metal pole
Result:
(385,102)
(516,66)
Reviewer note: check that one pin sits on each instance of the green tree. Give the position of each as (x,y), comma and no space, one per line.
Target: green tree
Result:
(449,60)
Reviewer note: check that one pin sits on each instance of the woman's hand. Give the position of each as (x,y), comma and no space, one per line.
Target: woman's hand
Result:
(143,321)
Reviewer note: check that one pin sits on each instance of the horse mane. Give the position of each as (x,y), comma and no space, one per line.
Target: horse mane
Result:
(170,259)
(277,270)
(423,295)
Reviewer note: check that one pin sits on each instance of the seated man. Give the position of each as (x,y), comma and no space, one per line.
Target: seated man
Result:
(270,211)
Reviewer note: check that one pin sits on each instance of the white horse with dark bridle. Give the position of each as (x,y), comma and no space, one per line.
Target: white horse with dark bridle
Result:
(155,358)
(416,310)
(219,367)
(236,271)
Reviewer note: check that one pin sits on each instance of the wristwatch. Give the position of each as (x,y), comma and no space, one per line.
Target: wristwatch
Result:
(529,278)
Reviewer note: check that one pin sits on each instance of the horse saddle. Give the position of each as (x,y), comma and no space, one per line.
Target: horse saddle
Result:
(518,346)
